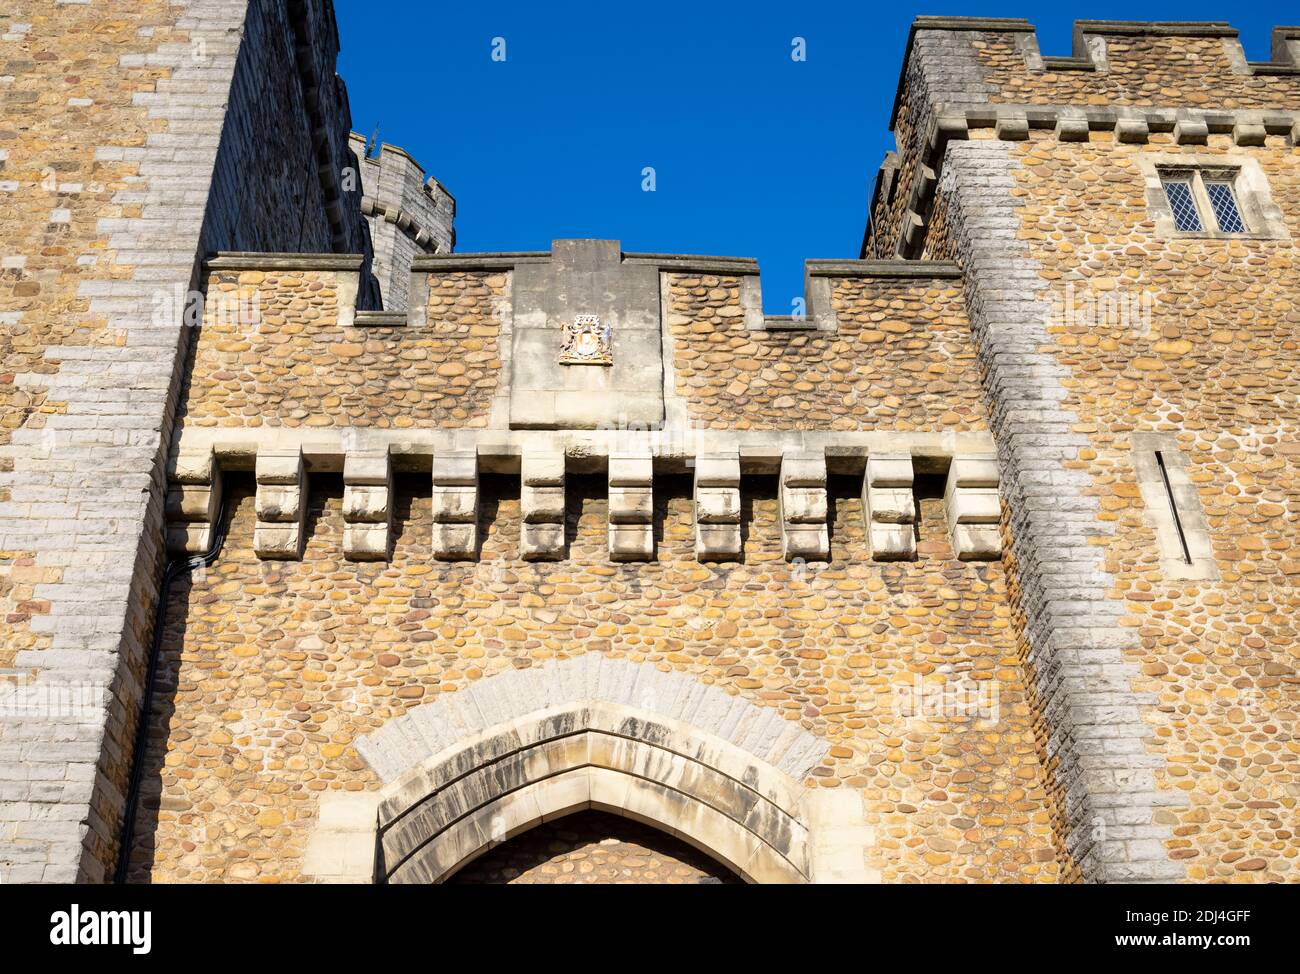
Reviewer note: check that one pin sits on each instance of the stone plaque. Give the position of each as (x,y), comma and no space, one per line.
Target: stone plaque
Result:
(585,341)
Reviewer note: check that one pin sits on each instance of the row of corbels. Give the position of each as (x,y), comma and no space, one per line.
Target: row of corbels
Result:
(971,502)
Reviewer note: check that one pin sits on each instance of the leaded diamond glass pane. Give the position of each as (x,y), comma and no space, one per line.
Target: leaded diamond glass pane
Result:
(1179,194)
(1224,202)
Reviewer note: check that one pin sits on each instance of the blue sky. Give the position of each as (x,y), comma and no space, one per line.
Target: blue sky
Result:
(754,154)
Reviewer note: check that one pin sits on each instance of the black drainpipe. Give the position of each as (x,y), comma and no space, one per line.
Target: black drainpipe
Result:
(174,567)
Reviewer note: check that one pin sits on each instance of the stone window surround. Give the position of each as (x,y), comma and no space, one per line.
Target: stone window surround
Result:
(1156,499)
(1263,218)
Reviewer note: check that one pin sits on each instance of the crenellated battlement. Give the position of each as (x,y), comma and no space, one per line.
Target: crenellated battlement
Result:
(1129,82)
(683,374)
(1159,63)
(481,344)
(409,214)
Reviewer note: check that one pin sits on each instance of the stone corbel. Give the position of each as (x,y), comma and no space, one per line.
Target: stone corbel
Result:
(193,502)
(631,507)
(367,506)
(717,507)
(803,509)
(973,507)
(281,504)
(455,506)
(542,501)
(889,507)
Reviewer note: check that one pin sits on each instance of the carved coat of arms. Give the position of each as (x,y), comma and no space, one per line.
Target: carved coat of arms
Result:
(585,342)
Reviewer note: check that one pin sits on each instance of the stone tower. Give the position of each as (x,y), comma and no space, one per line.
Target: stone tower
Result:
(188,127)
(1126,219)
(407,215)
(982,570)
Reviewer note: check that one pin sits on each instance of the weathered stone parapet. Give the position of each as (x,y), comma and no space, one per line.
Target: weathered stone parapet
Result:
(455,506)
(974,508)
(802,495)
(889,507)
(631,507)
(542,501)
(367,506)
(717,506)
(281,504)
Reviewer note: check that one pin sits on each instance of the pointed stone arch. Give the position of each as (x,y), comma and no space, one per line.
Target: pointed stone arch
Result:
(472,769)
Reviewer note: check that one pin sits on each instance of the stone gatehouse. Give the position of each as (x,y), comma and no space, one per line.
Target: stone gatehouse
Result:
(574,565)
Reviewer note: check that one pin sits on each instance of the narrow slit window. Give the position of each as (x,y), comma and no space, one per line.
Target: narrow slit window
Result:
(1224,201)
(1173,507)
(1183,204)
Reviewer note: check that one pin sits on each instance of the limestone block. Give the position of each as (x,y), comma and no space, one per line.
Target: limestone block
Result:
(1072,128)
(188,539)
(631,507)
(542,504)
(631,470)
(1249,133)
(367,506)
(977,542)
(278,541)
(281,504)
(543,469)
(974,470)
(717,542)
(803,508)
(367,468)
(1012,125)
(1134,130)
(455,506)
(193,467)
(889,506)
(366,542)
(973,507)
(366,503)
(893,542)
(631,542)
(1191,132)
(455,542)
(717,506)
(892,505)
(279,466)
(192,502)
